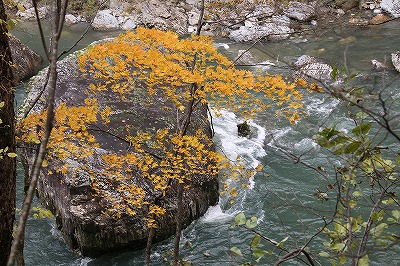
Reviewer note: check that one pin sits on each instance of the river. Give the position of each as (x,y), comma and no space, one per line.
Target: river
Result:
(207,241)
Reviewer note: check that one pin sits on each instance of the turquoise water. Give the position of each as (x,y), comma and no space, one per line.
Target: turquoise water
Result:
(207,241)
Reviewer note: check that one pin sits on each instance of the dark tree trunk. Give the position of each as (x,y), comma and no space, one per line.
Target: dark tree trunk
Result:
(7,139)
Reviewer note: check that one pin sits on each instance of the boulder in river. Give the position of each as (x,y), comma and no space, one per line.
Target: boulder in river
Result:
(80,213)
(396,60)
(26,61)
(244,129)
(311,68)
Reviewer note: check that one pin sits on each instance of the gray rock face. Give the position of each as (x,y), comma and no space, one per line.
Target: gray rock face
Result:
(29,13)
(392,7)
(158,14)
(26,60)
(105,20)
(79,213)
(311,68)
(299,11)
(273,29)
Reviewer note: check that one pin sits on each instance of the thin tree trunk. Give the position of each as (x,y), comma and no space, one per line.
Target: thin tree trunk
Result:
(7,141)
(57,23)
(149,244)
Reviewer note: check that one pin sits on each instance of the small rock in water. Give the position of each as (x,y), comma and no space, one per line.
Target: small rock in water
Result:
(378,65)
(396,60)
(244,129)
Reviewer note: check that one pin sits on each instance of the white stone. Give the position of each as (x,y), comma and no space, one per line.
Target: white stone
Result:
(396,60)
(129,25)
(193,17)
(340,12)
(105,20)
(71,19)
(392,7)
(192,29)
(249,24)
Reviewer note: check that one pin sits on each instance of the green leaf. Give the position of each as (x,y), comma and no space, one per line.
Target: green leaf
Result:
(21,7)
(350,77)
(236,251)
(240,219)
(252,222)
(362,129)
(45,163)
(256,241)
(396,214)
(10,24)
(341,139)
(1,104)
(352,147)
(258,253)
(334,72)
(363,261)
(338,246)
(12,154)
(378,230)
(324,254)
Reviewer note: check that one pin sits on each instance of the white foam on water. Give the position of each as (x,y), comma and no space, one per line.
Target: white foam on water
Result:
(215,214)
(224,45)
(232,145)
(319,106)
(225,127)
(84,261)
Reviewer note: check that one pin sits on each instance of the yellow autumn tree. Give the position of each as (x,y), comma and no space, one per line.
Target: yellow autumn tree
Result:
(187,75)
(190,73)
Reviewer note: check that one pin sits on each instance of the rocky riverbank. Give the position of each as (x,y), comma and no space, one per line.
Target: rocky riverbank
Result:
(241,21)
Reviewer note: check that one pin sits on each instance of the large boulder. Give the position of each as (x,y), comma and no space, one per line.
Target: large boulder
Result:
(392,7)
(311,68)
(26,61)
(80,213)
(105,20)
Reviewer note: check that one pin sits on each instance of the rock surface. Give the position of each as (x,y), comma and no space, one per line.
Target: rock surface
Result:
(273,29)
(105,20)
(311,68)
(299,11)
(392,7)
(242,21)
(26,60)
(396,60)
(77,210)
